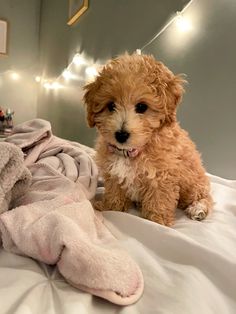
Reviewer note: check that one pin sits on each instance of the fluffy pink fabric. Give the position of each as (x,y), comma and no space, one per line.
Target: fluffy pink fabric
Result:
(54,221)
(15,178)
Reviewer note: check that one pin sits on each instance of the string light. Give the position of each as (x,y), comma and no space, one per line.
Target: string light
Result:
(47,85)
(183,24)
(78,60)
(56,85)
(67,74)
(15,76)
(91,71)
(37,79)
(52,85)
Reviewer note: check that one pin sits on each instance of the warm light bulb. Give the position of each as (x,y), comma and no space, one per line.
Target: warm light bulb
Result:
(37,79)
(15,76)
(183,24)
(91,71)
(55,85)
(67,74)
(47,85)
(78,60)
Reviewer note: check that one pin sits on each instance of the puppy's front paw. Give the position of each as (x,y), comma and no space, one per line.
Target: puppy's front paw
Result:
(197,211)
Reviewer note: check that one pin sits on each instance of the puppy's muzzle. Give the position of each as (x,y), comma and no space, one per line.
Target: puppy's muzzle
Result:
(122,136)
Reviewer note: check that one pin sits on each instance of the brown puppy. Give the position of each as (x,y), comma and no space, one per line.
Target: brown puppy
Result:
(143,154)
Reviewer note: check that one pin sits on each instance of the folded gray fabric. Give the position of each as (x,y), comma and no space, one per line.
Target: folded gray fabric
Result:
(15,178)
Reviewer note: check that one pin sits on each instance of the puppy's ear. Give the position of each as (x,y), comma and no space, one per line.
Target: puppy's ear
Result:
(172,96)
(176,89)
(169,87)
(89,99)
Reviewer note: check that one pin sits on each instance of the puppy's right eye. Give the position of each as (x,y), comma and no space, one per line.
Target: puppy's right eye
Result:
(141,107)
(111,106)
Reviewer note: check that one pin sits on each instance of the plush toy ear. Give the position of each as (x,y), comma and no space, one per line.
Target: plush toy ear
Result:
(89,99)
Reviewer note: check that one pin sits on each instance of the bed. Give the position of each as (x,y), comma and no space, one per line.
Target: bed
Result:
(190,268)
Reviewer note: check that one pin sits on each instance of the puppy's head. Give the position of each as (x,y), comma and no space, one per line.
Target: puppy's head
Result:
(133,96)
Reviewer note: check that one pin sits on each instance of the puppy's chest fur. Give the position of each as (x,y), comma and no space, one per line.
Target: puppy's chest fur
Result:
(126,174)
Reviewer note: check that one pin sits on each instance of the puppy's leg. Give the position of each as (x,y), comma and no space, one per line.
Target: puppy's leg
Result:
(114,197)
(159,203)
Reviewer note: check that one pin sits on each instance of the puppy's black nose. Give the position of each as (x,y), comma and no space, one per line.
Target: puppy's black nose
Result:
(121,136)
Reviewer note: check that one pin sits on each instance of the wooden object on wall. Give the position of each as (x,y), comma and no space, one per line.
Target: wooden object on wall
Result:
(3,37)
(76,9)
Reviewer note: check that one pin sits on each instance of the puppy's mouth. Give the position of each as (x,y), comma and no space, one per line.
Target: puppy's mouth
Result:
(130,152)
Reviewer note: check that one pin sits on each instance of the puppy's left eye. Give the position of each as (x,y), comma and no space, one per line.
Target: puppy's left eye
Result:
(141,108)
(111,106)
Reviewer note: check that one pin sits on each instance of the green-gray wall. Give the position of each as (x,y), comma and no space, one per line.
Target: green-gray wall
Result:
(206,55)
(23,17)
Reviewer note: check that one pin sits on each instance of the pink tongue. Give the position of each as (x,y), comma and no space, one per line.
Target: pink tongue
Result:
(133,152)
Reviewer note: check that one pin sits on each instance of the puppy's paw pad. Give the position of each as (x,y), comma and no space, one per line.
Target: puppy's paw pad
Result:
(197,211)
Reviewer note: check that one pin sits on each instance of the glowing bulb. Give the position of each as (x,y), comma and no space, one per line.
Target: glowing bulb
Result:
(37,79)
(91,71)
(67,74)
(78,60)
(183,24)
(47,85)
(15,76)
(55,85)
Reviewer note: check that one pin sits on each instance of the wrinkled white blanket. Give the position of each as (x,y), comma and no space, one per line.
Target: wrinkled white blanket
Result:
(188,269)
(54,222)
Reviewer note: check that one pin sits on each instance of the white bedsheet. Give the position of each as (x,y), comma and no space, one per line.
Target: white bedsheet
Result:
(188,269)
